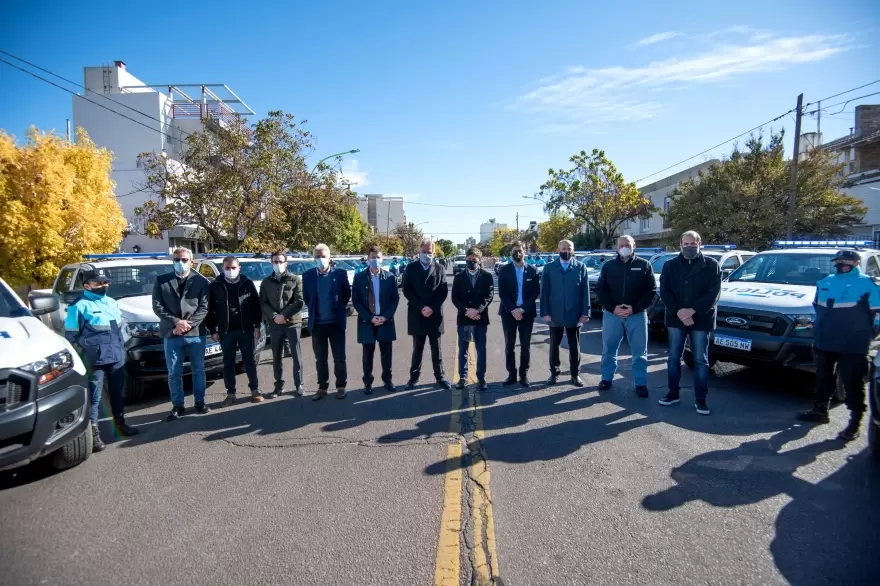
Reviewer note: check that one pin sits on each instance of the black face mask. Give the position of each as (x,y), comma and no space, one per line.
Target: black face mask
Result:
(842,268)
(564,256)
(471,265)
(517,256)
(99,291)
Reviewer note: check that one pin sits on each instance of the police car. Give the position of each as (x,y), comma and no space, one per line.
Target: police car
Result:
(765,313)
(594,261)
(459,263)
(132,277)
(728,257)
(44,390)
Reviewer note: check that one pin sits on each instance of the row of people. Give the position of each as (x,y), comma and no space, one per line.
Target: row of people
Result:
(230,310)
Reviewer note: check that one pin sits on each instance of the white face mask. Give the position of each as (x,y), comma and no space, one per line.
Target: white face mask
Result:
(626,252)
(231,274)
(279,267)
(323,263)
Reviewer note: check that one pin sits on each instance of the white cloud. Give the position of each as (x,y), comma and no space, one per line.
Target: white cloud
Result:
(657,38)
(352,173)
(581,98)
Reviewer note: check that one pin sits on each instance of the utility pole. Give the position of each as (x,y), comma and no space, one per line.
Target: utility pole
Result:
(792,195)
(68,130)
(819,124)
(517,221)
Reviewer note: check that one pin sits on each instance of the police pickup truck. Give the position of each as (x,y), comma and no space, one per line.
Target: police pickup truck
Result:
(765,314)
(132,277)
(44,390)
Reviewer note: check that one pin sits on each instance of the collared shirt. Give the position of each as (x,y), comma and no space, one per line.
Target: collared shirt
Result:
(520,277)
(374,279)
(564,265)
(425,266)
(473,277)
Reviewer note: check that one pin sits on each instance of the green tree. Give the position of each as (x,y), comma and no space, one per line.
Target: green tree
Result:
(389,245)
(502,241)
(51,193)
(744,199)
(349,232)
(594,193)
(558,227)
(446,248)
(410,235)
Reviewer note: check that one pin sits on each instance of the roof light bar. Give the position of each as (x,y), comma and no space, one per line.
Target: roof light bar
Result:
(719,247)
(822,243)
(126,255)
(236,255)
(652,249)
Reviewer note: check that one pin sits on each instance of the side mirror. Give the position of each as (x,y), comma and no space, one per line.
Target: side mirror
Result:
(43,303)
(71,297)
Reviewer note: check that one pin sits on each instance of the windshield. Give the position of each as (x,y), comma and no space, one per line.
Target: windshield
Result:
(253,270)
(346,264)
(459,258)
(134,281)
(594,261)
(658,263)
(299,267)
(10,306)
(786,268)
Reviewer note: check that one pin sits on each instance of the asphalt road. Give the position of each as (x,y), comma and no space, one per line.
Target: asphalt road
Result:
(584,488)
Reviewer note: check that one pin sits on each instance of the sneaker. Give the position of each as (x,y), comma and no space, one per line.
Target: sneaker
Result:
(701,407)
(229,400)
(299,391)
(256,397)
(482,385)
(642,391)
(276,393)
(462,383)
(177,412)
(319,395)
(411,384)
(554,378)
(340,393)
(670,399)
(202,408)
(604,385)
(123,429)
(444,384)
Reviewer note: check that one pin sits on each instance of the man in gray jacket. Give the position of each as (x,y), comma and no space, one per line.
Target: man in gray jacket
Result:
(565,306)
(180,300)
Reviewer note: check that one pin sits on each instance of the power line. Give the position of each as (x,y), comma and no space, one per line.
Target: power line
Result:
(846,92)
(848,101)
(444,205)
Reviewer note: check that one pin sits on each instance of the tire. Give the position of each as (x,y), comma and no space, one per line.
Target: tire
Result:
(74,452)
(135,389)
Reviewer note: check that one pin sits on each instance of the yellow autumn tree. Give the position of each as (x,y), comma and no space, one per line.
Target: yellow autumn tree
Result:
(58,204)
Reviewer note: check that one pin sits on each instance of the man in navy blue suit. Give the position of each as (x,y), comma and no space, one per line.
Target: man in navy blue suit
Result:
(375,298)
(326,292)
(518,289)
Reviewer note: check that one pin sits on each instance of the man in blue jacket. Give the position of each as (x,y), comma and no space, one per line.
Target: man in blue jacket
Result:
(565,306)
(93,325)
(518,289)
(375,298)
(846,304)
(326,292)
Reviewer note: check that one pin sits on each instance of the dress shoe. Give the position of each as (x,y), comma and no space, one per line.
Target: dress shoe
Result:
(511,380)
(319,395)
(444,384)
(368,389)
(482,385)
(554,378)
(389,386)
(462,383)
(525,382)
(411,384)
(340,393)
(576,381)
(604,385)
(123,429)
(642,391)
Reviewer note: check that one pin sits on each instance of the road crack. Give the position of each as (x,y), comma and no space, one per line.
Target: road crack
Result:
(324,440)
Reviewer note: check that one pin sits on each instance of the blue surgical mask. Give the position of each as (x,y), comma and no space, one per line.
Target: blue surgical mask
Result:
(180,266)
(426,257)
(374,263)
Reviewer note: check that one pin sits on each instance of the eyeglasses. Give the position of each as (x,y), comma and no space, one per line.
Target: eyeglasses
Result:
(181,259)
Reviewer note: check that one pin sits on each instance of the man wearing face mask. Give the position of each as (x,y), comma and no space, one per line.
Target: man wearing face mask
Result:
(518,289)
(565,306)
(425,288)
(180,301)
(234,319)
(626,288)
(690,286)
(472,292)
(375,298)
(93,326)
(281,301)
(327,292)
(846,304)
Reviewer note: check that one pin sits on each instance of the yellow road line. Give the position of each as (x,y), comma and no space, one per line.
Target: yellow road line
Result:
(483,518)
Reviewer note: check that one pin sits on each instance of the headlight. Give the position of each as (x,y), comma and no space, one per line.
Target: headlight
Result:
(802,321)
(143,329)
(51,367)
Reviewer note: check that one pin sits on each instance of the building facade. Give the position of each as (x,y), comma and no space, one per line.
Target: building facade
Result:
(487,230)
(128,117)
(382,213)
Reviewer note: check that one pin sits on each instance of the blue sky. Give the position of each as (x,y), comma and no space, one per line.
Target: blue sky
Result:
(469,103)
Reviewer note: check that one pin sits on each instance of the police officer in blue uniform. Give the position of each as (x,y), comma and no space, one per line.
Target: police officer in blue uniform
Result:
(93,326)
(845,304)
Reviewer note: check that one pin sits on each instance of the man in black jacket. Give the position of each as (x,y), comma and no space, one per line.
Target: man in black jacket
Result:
(425,289)
(234,321)
(472,292)
(626,288)
(281,301)
(690,286)
(518,289)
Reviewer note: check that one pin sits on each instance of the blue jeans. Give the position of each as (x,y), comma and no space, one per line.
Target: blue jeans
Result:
(636,329)
(114,374)
(700,350)
(177,348)
(479,345)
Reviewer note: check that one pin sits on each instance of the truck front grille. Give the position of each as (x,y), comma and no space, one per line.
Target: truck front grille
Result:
(744,321)
(13,392)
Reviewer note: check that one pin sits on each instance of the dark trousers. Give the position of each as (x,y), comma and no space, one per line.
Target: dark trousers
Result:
(292,334)
(230,342)
(384,358)
(327,338)
(436,357)
(114,374)
(479,347)
(511,327)
(574,349)
(853,370)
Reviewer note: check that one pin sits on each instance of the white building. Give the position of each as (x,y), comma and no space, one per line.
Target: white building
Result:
(487,230)
(115,100)
(381,212)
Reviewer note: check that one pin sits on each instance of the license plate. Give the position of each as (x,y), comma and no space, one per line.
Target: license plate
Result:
(212,349)
(735,343)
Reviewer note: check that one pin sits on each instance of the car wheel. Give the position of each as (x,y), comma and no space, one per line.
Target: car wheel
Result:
(73,452)
(135,389)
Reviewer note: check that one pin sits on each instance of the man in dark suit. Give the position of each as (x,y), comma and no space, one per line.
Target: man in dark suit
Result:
(375,298)
(518,289)
(472,292)
(326,292)
(425,289)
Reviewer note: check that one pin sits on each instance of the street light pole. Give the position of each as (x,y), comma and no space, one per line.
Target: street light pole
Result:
(351,152)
